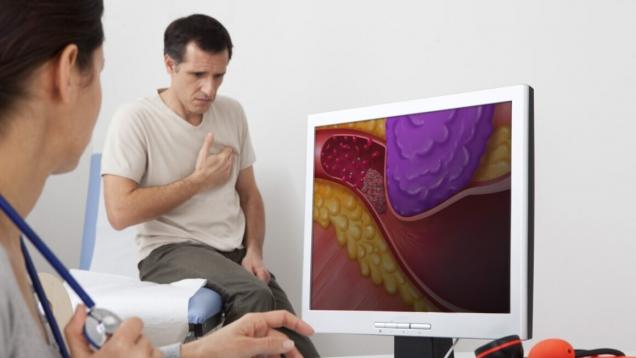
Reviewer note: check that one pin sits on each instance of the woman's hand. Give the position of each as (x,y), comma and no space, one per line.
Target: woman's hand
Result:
(252,335)
(127,341)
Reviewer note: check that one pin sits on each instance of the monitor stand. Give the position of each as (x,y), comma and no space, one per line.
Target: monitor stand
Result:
(421,347)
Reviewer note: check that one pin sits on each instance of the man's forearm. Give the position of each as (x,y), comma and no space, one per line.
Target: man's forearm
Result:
(143,204)
(255,223)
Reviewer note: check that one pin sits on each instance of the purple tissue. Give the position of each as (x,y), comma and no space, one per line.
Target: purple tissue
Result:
(432,156)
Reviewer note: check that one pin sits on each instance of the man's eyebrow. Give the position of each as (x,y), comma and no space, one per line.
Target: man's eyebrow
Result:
(204,72)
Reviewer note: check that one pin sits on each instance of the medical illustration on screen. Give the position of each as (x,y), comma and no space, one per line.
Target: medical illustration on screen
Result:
(412,212)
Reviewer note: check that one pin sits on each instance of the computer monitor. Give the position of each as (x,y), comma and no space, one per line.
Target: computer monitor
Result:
(419,218)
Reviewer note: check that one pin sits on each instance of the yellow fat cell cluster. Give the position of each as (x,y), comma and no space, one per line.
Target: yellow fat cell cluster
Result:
(375,127)
(496,160)
(357,232)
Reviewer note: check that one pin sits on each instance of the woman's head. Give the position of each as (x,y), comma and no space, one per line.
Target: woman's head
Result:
(50,59)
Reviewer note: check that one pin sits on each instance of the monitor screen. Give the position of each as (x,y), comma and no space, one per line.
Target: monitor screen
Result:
(418,213)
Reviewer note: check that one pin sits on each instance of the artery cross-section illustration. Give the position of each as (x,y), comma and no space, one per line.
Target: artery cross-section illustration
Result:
(412,212)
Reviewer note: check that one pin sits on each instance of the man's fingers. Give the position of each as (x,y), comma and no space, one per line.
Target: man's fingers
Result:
(226,160)
(228,151)
(250,268)
(277,319)
(221,160)
(209,138)
(205,148)
(227,155)
(246,266)
(73,332)
(262,274)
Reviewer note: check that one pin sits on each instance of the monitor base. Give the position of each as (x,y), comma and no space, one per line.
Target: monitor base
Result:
(421,347)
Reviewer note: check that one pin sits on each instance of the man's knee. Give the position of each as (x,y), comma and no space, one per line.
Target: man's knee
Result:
(255,297)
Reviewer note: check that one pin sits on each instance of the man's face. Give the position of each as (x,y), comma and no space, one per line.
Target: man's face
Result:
(197,78)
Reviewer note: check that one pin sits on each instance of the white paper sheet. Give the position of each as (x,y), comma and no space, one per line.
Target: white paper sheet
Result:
(163,308)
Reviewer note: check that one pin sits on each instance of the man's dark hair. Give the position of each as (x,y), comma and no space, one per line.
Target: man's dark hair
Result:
(206,32)
(35,31)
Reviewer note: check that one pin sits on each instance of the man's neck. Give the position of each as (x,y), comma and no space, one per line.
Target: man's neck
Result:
(170,99)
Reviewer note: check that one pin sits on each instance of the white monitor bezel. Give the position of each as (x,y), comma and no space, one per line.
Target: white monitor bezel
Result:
(465,325)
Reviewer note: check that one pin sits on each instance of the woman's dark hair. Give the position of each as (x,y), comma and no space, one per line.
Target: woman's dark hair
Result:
(35,31)
(206,32)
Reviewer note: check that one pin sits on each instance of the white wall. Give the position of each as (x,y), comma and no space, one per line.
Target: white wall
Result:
(293,58)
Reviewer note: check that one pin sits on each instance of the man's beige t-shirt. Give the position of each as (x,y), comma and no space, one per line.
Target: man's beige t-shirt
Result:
(150,144)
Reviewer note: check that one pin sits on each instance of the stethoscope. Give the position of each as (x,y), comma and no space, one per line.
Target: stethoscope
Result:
(100,323)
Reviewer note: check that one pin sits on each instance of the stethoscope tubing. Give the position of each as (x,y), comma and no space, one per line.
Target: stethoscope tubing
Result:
(57,265)
(44,303)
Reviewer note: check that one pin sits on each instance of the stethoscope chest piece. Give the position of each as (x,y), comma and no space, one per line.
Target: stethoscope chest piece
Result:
(100,325)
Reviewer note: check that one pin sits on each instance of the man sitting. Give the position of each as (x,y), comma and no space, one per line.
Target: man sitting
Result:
(179,164)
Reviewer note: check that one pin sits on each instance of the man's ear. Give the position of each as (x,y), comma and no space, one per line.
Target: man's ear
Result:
(171,65)
(65,72)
